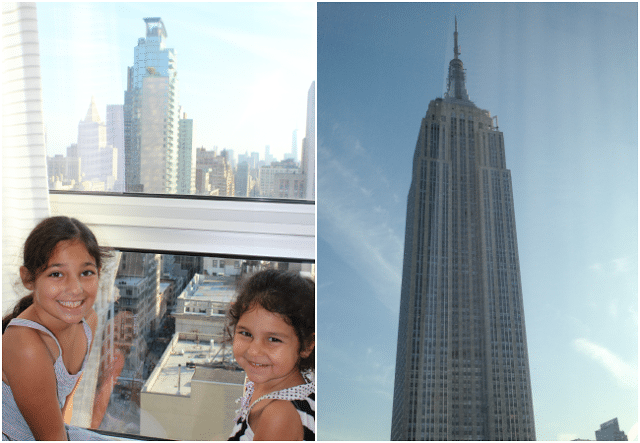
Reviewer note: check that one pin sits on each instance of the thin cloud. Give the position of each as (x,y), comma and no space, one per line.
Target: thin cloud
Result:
(349,211)
(616,266)
(380,375)
(620,265)
(625,374)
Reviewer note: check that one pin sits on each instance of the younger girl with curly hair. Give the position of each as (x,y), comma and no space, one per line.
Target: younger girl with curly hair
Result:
(272,324)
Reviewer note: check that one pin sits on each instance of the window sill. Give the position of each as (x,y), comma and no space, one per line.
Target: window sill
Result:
(256,229)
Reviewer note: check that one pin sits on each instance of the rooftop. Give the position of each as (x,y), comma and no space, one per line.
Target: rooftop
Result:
(129,281)
(173,376)
(218,289)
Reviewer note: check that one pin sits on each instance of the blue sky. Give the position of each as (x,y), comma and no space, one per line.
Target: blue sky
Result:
(244,69)
(563,81)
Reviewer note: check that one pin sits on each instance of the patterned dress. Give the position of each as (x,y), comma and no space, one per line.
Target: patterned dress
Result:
(303,398)
(14,426)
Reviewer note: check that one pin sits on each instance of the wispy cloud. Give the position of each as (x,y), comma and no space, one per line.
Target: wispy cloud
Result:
(616,266)
(356,222)
(625,374)
(369,371)
(620,265)
(358,381)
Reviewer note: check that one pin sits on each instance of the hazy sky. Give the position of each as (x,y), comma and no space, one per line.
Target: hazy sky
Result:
(563,81)
(244,69)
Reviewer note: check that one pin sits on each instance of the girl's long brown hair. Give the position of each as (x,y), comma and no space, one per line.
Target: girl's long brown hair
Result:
(40,245)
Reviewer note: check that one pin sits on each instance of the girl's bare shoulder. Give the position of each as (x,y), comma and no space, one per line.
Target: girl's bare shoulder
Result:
(276,420)
(27,367)
(23,346)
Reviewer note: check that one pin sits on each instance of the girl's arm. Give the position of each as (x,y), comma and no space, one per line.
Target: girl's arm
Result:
(28,368)
(278,420)
(67,409)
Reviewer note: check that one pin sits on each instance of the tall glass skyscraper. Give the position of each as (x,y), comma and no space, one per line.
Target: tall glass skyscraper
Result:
(152,115)
(308,160)
(462,365)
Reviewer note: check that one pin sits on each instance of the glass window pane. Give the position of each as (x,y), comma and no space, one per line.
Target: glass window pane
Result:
(161,366)
(214,99)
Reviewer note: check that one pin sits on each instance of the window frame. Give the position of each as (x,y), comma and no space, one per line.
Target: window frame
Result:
(274,230)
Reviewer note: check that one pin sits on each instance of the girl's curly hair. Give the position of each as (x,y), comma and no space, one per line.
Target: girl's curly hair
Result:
(285,293)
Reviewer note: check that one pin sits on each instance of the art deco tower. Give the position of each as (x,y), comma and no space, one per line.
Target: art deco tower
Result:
(462,365)
(99,160)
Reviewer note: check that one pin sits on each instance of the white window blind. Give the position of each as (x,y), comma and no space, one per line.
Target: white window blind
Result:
(25,197)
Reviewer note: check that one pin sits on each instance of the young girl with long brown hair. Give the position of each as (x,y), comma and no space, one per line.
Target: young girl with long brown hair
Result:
(47,338)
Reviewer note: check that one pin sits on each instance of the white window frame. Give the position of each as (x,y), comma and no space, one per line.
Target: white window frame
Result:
(270,230)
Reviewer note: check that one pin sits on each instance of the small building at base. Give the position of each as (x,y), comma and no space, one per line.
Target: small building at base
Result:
(192,393)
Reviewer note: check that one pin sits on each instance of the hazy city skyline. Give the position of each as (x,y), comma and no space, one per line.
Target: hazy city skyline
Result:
(244,69)
(562,80)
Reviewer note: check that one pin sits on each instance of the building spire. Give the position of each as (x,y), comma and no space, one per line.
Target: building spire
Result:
(456,89)
(456,49)
(92,113)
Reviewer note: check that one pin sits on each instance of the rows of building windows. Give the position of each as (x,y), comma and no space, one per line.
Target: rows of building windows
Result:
(455,306)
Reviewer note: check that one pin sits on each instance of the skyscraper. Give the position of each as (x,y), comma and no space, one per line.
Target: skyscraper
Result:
(462,365)
(151,115)
(214,174)
(610,431)
(99,160)
(186,157)
(242,180)
(294,144)
(115,137)
(308,160)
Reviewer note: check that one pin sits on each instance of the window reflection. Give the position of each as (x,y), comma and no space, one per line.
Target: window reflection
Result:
(164,370)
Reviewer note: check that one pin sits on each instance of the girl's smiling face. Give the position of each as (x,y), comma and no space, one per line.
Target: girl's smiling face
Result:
(66,289)
(268,349)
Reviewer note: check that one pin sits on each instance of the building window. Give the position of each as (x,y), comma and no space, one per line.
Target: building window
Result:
(121,124)
(192,225)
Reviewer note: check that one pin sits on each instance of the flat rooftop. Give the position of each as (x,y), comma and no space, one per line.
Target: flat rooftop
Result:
(218,290)
(173,377)
(130,281)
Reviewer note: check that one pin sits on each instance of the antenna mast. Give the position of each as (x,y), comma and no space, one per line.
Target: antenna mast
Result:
(456,49)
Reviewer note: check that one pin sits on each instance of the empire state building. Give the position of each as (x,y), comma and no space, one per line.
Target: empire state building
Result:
(462,365)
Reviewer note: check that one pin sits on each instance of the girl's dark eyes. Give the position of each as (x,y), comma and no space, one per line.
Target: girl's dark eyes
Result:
(248,334)
(87,273)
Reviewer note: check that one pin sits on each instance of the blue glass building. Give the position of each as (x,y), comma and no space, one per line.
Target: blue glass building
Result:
(152,114)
